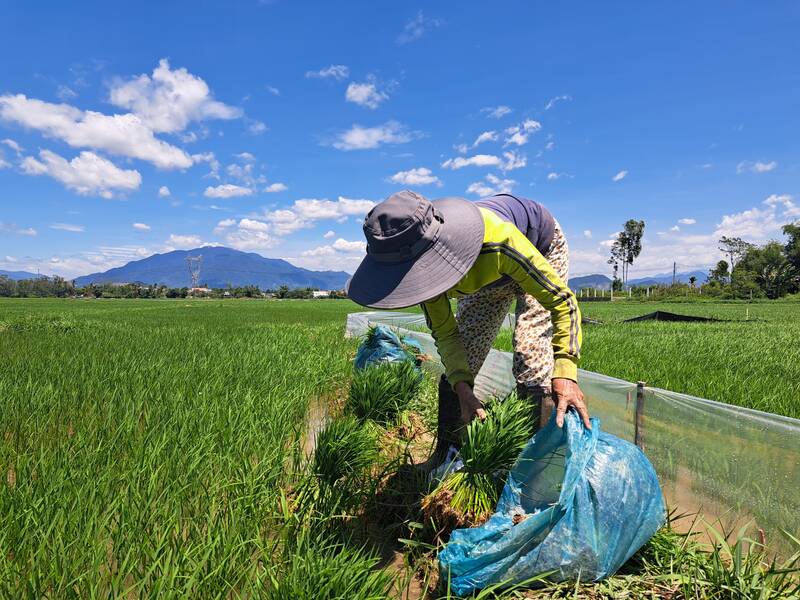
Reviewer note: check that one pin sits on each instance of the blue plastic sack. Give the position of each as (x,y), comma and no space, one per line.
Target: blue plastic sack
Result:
(585,502)
(384,345)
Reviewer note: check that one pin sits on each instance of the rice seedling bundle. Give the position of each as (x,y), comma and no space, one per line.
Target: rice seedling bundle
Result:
(489,450)
(379,392)
(345,448)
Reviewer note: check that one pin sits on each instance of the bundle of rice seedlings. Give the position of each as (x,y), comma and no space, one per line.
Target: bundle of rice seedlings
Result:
(379,392)
(490,448)
(344,449)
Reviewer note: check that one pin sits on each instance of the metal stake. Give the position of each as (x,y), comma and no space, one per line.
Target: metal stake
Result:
(638,434)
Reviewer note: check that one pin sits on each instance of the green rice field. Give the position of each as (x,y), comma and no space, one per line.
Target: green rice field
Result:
(160,448)
(751,360)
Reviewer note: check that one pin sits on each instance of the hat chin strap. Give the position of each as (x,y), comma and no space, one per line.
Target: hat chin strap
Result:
(413,250)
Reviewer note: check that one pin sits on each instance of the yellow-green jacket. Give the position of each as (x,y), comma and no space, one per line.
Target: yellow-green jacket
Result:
(507,252)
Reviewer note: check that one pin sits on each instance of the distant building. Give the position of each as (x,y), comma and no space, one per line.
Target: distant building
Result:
(320,294)
(199,291)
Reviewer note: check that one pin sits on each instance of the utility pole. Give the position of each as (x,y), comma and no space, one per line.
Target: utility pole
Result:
(674,272)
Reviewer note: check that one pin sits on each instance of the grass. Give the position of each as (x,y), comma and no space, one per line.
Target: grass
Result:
(151,448)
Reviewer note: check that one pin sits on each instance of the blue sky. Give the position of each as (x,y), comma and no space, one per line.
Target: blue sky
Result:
(273,126)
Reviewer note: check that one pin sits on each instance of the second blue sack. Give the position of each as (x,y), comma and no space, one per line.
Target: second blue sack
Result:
(577,504)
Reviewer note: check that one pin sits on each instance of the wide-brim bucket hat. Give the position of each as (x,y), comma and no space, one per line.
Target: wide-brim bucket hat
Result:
(416,249)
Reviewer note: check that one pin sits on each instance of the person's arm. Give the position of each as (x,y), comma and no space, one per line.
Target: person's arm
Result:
(518,258)
(444,328)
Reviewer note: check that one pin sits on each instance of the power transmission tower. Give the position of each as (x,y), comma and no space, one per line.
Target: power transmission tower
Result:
(194,263)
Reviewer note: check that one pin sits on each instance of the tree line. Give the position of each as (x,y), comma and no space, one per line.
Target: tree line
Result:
(751,271)
(58,287)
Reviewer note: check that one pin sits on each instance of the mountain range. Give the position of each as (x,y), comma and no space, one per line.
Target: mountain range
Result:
(220,268)
(18,275)
(602,282)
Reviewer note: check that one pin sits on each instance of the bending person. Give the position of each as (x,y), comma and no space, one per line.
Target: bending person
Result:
(486,254)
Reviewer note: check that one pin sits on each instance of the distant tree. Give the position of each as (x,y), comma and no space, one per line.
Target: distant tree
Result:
(792,248)
(692,281)
(768,268)
(720,273)
(627,247)
(283,292)
(734,247)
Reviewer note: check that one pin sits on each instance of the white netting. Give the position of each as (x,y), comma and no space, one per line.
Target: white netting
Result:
(732,464)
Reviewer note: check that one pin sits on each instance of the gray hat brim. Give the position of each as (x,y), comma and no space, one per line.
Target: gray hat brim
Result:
(400,285)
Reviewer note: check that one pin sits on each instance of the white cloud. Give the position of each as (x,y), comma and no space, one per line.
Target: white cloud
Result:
(223,225)
(170,99)
(341,255)
(363,138)
(86,174)
(760,224)
(512,161)
(11,228)
(68,227)
(674,228)
(256,127)
(329,234)
(141,226)
(123,135)
(211,160)
(345,246)
(227,190)
(314,209)
(273,90)
(461,148)
(486,136)
(492,185)
(250,234)
(496,112)
(416,28)
(552,102)
(620,176)
(587,233)
(478,160)
(183,242)
(12,144)
(245,156)
(687,221)
(365,94)
(518,134)
(553,176)
(419,176)
(338,72)
(285,221)
(756,167)
(697,251)
(64,93)
(276,187)
(163,192)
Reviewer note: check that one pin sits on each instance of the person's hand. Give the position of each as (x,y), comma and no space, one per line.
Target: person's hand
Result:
(566,393)
(471,407)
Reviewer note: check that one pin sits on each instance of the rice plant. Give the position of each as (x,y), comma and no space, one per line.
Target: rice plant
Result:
(318,569)
(489,450)
(379,392)
(345,448)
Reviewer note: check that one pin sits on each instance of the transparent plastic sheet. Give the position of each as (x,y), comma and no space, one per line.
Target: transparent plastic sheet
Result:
(733,465)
